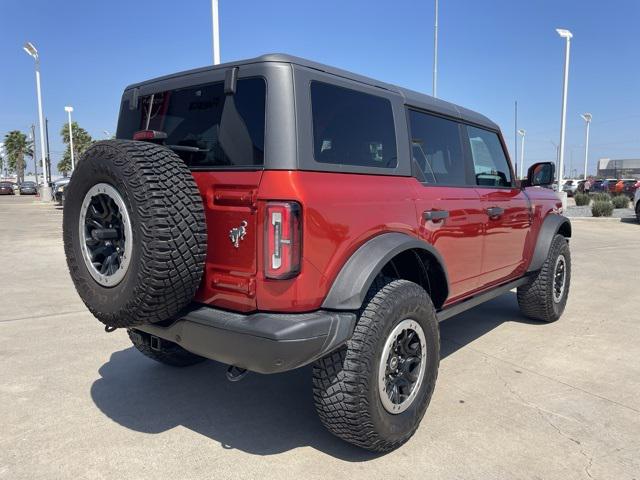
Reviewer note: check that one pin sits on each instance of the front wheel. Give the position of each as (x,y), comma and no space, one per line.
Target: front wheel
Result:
(374,391)
(546,296)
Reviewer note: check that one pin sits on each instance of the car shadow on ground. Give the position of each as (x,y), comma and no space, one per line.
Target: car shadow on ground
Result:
(262,414)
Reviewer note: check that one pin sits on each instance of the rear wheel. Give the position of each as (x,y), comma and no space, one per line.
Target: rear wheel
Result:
(134,232)
(638,212)
(546,296)
(163,351)
(374,391)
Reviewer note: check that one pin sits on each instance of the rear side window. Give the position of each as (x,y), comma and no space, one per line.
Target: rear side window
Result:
(490,164)
(352,128)
(205,127)
(436,150)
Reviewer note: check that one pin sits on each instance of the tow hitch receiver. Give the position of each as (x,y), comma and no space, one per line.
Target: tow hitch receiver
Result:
(154,343)
(235,374)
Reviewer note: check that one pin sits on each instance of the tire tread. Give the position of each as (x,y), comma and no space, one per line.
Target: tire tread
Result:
(340,378)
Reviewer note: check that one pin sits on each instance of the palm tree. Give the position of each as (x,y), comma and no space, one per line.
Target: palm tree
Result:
(81,141)
(16,147)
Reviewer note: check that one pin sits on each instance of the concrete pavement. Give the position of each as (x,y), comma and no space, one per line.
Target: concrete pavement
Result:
(514,399)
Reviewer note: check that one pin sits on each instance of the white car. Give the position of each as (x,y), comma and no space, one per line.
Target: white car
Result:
(570,186)
(636,204)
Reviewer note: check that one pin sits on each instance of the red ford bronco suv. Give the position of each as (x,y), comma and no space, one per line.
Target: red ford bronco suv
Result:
(274,212)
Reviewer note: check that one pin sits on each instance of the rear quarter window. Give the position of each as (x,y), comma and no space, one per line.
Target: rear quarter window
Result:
(352,128)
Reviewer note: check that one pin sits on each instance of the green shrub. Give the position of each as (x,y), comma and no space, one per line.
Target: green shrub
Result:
(601,208)
(582,199)
(620,201)
(601,197)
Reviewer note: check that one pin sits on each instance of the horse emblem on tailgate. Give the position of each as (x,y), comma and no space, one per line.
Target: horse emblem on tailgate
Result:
(236,234)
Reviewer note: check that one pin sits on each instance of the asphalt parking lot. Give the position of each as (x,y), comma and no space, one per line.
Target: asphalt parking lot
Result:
(514,399)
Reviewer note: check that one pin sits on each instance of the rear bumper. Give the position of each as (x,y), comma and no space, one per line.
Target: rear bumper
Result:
(261,342)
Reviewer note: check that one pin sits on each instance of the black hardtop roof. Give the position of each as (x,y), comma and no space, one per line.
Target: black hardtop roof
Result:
(411,97)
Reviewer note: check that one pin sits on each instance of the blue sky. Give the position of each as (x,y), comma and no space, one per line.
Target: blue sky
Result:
(491,53)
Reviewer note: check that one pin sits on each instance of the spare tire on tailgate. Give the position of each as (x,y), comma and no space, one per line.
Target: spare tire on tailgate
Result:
(134,232)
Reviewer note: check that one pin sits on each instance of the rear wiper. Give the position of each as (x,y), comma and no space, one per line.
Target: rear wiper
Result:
(186,148)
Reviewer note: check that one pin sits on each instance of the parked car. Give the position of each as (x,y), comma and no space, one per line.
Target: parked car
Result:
(59,188)
(609,185)
(6,188)
(28,188)
(275,212)
(570,187)
(596,186)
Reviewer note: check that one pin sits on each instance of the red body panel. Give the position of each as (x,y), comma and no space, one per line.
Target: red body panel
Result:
(230,274)
(342,211)
(458,238)
(504,237)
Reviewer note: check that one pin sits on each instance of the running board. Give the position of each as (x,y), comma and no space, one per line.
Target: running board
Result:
(476,300)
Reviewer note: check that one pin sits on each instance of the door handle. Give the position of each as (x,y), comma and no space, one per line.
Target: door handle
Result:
(495,212)
(435,215)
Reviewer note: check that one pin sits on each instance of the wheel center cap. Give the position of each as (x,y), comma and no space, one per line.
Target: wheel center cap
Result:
(393,363)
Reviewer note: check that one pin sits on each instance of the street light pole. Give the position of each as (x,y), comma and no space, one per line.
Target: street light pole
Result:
(46,136)
(587,118)
(33,152)
(45,195)
(216,32)
(69,109)
(567,35)
(435,52)
(522,132)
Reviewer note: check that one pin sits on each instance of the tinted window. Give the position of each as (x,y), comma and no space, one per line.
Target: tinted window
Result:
(352,128)
(205,127)
(437,150)
(489,161)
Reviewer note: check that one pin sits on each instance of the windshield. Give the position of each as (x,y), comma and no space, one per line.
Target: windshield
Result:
(203,125)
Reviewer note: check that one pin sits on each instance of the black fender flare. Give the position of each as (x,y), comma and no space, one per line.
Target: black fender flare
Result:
(551,225)
(358,273)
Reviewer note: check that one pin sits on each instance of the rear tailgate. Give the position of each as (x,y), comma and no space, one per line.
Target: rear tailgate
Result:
(219,133)
(231,265)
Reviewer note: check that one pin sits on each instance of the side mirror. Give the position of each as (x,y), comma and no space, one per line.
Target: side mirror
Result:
(540,174)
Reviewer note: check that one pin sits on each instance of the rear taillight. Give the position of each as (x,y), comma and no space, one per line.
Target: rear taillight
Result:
(283,240)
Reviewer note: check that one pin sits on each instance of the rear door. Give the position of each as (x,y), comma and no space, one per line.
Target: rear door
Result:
(505,208)
(448,206)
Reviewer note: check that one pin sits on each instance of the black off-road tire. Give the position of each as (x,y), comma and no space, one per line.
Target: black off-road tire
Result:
(345,382)
(168,229)
(638,212)
(165,351)
(536,298)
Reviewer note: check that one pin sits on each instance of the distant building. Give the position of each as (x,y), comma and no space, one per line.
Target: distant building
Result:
(623,168)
